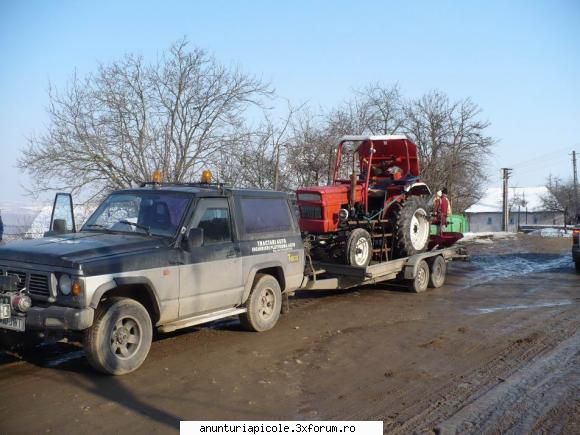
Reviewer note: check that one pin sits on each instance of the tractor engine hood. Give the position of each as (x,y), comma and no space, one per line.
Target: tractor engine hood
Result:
(327,195)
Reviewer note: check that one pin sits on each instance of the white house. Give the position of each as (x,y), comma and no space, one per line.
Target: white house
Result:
(525,209)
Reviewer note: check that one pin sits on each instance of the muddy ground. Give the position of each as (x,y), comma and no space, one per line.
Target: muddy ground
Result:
(497,349)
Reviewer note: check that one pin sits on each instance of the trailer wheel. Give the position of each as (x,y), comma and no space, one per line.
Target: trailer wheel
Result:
(421,281)
(437,271)
(120,338)
(264,304)
(358,248)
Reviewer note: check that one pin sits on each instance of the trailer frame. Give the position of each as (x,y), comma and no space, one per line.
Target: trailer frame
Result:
(332,276)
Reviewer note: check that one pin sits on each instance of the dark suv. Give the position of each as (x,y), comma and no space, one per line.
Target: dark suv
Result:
(163,256)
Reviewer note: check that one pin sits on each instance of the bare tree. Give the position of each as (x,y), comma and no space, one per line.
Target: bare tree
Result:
(310,155)
(453,145)
(374,109)
(113,128)
(560,198)
(383,107)
(260,160)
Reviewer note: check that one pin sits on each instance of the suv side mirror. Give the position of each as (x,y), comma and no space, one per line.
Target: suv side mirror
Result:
(59,226)
(194,239)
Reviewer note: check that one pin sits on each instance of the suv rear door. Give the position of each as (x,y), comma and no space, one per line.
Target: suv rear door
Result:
(211,276)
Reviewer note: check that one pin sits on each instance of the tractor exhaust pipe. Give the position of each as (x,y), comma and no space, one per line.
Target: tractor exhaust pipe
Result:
(351,195)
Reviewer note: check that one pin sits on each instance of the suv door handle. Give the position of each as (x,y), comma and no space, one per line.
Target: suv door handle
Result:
(231,253)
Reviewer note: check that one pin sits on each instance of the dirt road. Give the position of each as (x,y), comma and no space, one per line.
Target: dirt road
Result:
(497,349)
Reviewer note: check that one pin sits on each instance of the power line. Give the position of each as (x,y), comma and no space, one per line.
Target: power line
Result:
(541,158)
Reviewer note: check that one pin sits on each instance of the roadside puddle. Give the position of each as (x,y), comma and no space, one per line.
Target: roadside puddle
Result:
(492,267)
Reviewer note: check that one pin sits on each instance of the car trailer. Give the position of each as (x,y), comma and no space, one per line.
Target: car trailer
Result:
(417,272)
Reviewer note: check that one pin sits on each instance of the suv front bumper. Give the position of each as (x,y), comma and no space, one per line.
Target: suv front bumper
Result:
(59,318)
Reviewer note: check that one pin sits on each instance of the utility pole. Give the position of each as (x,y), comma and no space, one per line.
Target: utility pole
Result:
(576,209)
(505,207)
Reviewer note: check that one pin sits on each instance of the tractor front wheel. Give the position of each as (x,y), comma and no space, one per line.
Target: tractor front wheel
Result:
(359,248)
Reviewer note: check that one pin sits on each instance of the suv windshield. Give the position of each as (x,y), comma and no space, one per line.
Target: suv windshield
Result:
(155,213)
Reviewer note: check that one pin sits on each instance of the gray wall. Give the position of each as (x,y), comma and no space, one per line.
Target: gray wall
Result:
(482,222)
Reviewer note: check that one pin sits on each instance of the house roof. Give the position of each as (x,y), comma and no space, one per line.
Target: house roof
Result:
(525,197)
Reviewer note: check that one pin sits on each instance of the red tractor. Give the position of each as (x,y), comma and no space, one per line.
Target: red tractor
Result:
(376,207)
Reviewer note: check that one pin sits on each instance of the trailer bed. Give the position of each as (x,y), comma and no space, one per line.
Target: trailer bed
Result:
(329,276)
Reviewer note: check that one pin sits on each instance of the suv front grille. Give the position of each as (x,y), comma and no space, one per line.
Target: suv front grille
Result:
(311,212)
(36,283)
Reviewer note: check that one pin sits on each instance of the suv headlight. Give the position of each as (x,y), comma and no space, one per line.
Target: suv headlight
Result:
(65,284)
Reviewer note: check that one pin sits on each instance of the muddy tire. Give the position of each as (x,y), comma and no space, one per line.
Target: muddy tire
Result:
(264,304)
(359,248)
(421,281)
(437,272)
(412,226)
(120,338)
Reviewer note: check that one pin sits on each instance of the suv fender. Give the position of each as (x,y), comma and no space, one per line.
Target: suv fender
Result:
(260,268)
(127,281)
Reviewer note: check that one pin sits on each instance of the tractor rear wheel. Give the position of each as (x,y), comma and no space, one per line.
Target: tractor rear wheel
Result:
(412,227)
(359,248)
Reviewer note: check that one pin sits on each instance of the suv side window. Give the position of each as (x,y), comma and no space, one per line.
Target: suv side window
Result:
(213,215)
(265,215)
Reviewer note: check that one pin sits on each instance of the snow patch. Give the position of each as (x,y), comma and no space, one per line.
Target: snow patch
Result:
(523,307)
(551,232)
(487,237)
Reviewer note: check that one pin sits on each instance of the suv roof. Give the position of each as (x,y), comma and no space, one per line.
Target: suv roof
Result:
(205,189)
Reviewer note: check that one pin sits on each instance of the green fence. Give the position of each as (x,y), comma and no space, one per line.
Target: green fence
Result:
(456,223)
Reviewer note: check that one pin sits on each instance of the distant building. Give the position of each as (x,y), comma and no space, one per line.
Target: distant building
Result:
(525,209)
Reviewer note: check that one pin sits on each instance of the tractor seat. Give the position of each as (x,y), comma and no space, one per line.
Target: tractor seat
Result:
(376,193)
(409,179)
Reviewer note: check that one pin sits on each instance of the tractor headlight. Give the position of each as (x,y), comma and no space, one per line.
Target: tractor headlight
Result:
(65,284)
(343,215)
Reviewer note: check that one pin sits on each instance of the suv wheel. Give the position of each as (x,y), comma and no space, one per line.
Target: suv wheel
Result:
(120,338)
(264,304)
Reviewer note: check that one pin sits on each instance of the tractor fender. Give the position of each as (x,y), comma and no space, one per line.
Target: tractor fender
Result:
(417,189)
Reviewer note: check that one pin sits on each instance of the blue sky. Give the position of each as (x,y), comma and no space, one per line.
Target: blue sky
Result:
(519,60)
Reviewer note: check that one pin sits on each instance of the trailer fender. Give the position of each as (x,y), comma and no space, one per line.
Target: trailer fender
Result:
(411,266)
(410,271)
